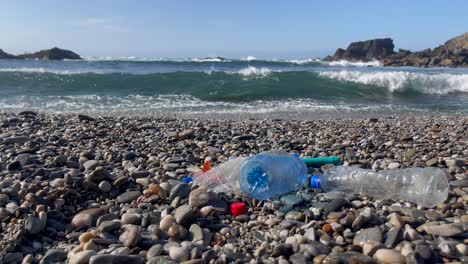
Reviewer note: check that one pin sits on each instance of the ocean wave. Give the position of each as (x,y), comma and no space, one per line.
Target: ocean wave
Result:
(41,70)
(345,63)
(124,58)
(178,104)
(150,59)
(248,58)
(400,81)
(254,71)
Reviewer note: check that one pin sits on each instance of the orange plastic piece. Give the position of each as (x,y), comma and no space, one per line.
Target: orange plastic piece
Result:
(206,166)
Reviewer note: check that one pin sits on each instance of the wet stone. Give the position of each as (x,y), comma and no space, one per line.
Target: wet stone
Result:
(367,235)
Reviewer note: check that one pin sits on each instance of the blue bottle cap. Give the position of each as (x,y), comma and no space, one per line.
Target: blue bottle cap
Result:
(315,182)
(295,155)
(187,179)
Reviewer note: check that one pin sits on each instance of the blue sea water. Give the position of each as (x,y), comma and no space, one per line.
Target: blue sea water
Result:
(231,87)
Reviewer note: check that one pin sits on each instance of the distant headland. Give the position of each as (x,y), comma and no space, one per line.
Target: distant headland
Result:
(454,53)
(50,54)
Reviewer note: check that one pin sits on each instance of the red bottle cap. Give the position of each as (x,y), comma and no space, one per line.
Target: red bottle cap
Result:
(238,209)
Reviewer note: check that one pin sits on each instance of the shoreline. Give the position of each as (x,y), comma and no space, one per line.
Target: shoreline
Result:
(78,188)
(274,116)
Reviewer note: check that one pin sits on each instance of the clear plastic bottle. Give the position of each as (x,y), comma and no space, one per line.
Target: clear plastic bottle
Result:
(427,187)
(265,176)
(261,176)
(222,178)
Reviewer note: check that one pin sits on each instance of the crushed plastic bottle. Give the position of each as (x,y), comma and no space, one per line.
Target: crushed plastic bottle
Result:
(222,178)
(261,176)
(427,187)
(265,176)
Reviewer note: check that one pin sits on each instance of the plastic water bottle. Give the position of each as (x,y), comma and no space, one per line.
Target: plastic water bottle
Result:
(261,176)
(222,178)
(427,187)
(265,176)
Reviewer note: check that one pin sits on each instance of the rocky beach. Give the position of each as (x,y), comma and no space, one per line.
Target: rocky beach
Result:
(106,189)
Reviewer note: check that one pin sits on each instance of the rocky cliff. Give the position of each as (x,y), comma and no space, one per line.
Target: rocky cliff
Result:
(365,50)
(50,54)
(4,55)
(454,53)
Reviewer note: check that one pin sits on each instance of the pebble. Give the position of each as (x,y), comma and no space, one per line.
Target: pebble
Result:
(166,222)
(16,140)
(128,196)
(131,236)
(396,220)
(154,251)
(291,200)
(335,205)
(179,254)
(294,215)
(393,165)
(87,217)
(199,197)
(90,165)
(447,230)
(367,235)
(105,186)
(178,232)
(389,256)
(109,226)
(196,232)
(82,257)
(129,218)
(53,256)
(33,225)
(369,248)
(116,259)
(181,190)
(185,215)
(284,250)
(393,237)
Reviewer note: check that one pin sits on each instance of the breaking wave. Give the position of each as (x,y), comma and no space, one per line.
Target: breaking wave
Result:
(399,80)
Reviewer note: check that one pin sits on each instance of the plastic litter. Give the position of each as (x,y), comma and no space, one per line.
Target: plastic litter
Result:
(427,187)
(187,179)
(320,161)
(238,209)
(261,176)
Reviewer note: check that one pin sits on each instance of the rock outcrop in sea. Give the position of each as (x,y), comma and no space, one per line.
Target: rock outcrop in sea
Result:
(4,55)
(365,50)
(454,53)
(50,54)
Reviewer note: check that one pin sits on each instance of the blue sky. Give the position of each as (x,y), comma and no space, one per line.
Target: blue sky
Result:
(198,28)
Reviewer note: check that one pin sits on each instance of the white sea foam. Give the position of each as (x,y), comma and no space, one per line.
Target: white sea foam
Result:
(398,80)
(253,71)
(214,59)
(39,70)
(345,63)
(174,104)
(127,58)
(248,58)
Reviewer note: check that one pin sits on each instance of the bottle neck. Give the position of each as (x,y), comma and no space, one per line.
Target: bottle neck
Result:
(315,181)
